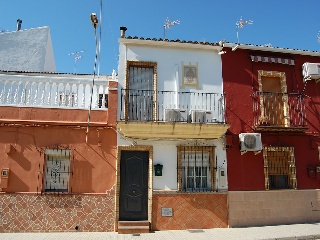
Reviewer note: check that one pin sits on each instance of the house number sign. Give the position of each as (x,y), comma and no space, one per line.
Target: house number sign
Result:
(166,212)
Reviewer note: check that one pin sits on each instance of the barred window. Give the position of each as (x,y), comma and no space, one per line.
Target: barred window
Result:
(279,168)
(196,170)
(57,170)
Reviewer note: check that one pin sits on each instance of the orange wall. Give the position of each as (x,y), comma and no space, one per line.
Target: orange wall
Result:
(27,132)
(93,163)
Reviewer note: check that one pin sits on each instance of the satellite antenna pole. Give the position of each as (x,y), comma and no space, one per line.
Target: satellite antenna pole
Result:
(168,24)
(77,57)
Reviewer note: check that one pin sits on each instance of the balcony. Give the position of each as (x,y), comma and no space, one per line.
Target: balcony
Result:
(48,98)
(279,111)
(52,91)
(170,114)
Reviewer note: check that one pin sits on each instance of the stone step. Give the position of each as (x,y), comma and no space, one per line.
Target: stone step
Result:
(133,227)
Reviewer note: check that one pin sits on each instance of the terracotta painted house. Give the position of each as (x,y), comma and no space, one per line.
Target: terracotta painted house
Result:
(272,106)
(57,169)
(171,123)
(54,175)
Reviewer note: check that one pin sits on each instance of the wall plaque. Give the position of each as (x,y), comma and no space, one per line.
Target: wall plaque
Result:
(190,76)
(166,212)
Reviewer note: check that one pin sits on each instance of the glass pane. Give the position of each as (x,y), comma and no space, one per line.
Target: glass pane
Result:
(190,177)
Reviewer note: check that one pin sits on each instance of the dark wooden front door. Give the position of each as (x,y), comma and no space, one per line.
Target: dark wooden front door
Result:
(134,185)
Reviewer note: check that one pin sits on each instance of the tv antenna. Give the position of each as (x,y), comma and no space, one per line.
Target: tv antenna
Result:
(168,24)
(77,57)
(240,24)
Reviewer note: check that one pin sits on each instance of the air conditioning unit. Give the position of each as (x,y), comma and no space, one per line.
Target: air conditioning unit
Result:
(172,115)
(311,71)
(198,116)
(250,142)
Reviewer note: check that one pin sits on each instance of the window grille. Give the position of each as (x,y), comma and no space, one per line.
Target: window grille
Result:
(279,168)
(57,170)
(196,168)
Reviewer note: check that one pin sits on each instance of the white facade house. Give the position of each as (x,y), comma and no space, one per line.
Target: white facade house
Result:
(171,133)
(172,60)
(27,50)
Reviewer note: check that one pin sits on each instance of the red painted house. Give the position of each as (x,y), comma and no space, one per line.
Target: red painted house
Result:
(272,105)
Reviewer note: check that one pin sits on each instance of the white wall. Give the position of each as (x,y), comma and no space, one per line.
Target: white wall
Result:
(50,64)
(165,153)
(27,50)
(169,66)
(169,69)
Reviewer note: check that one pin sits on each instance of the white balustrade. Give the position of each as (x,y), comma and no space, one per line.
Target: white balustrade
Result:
(52,91)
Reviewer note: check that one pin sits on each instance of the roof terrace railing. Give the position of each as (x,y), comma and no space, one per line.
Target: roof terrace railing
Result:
(52,92)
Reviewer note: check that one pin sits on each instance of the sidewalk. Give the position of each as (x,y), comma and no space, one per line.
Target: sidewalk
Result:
(285,232)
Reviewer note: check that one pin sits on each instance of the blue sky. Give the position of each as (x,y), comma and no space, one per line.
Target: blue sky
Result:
(281,23)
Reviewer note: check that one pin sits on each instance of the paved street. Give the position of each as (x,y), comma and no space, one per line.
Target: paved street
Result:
(285,232)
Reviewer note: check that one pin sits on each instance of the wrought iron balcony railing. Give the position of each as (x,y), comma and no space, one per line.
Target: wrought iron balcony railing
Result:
(52,91)
(283,110)
(171,106)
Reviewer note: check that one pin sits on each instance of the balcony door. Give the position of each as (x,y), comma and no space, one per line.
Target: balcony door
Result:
(141,94)
(274,100)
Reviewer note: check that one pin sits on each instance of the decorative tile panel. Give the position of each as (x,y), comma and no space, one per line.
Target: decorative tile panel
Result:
(190,211)
(50,212)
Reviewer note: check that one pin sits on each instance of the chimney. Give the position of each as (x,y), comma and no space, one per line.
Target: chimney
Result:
(19,22)
(123,32)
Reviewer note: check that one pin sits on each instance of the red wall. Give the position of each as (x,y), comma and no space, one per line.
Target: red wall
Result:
(245,172)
